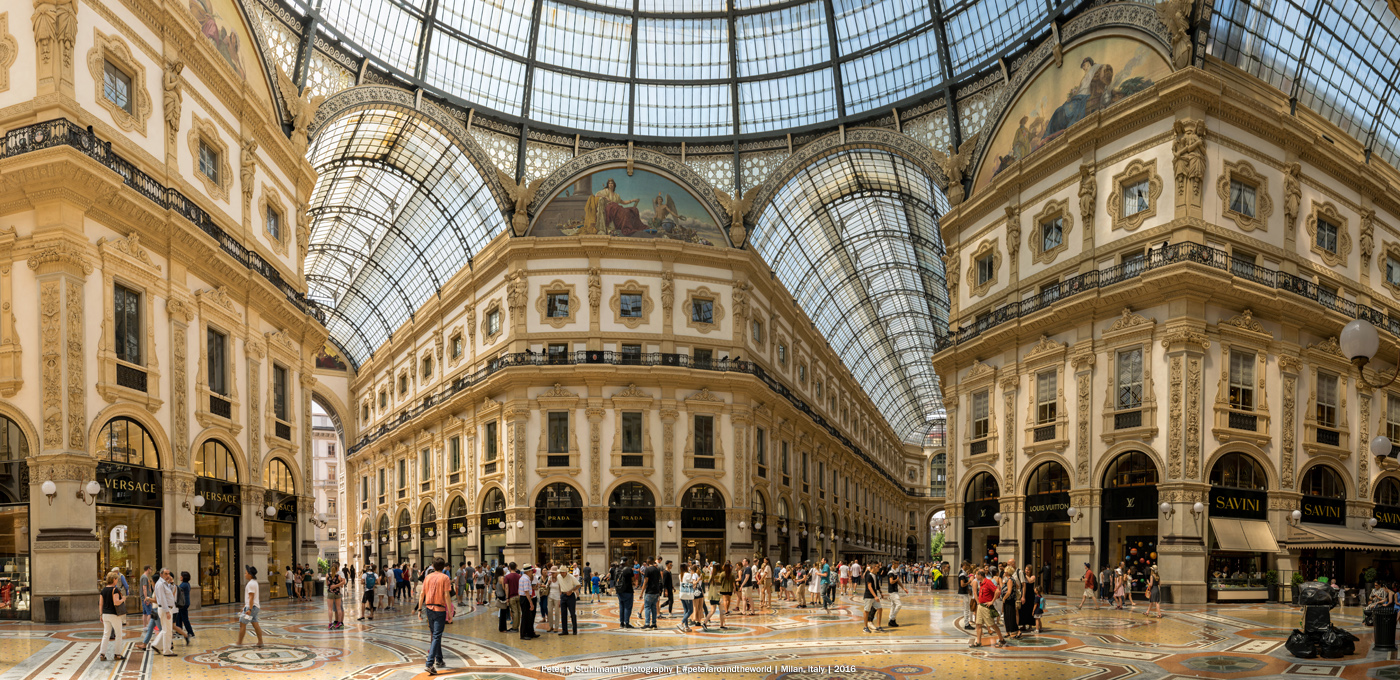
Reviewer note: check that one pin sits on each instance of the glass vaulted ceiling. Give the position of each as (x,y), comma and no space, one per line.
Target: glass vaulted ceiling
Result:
(685,68)
(854,237)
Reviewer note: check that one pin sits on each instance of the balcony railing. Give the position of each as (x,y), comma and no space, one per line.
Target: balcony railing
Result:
(597,357)
(62,132)
(1045,433)
(131,378)
(1328,437)
(1170,254)
(978,447)
(1124,420)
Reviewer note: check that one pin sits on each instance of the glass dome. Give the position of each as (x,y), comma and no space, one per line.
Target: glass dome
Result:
(687,69)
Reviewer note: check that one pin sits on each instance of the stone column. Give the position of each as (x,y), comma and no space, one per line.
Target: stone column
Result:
(1086,495)
(668,544)
(178,519)
(1012,501)
(595,539)
(1182,549)
(255,548)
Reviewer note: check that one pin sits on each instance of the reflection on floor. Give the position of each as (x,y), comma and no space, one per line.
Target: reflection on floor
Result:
(1234,641)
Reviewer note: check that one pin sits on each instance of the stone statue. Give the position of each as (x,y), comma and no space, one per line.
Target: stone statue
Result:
(595,288)
(1176,15)
(737,208)
(1088,195)
(521,195)
(1368,235)
(55,25)
(516,292)
(1292,194)
(953,164)
(951,266)
(247,167)
(1189,156)
(668,290)
(303,228)
(301,108)
(170,82)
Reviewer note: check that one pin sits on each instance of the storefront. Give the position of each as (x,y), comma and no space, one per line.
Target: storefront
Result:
(404,534)
(702,524)
(385,535)
(427,535)
(129,507)
(493,528)
(457,540)
(216,524)
(981,531)
(280,527)
(1240,538)
(1047,524)
(631,523)
(559,525)
(784,543)
(1387,514)
(759,522)
(801,533)
(15,584)
(367,550)
(1128,530)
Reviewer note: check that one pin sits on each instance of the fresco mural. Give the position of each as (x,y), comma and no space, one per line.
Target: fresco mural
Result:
(645,205)
(1095,75)
(329,358)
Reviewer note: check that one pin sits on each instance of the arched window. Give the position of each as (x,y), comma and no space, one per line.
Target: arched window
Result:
(802,514)
(1387,492)
(558,495)
(366,528)
(495,501)
(429,514)
(983,487)
(1323,481)
(215,461)
(1133,468)
(938,475)
(383,522)
(1048,477)
(13,444)
(1239,471)
(457,508)
(123,440)
(760,506)
(279,477)
(782,508)
(632,495)
(702,497)
(404,519)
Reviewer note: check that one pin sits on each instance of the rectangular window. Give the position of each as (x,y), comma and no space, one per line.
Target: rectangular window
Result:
(783,462)
(981,420)
(1134,263)
(630,305)
(279,392)
(1326,399)
(702,357)
(702,310)
(631,355)
(1129,386)
(382,487)
(402,477)
(1045,401)
(383,400)
(493,322)
(218,362)
(274,224)
(208,161)
(127,307)
(631,432)
(761,451)
(490,444)
(1242,380)
(557,305)
(427,367)
(704,442)
(116,86)
(1242,198)
(454,453)
(559,432)
(364,492)
(1135,198)
(782,354)
(403,384)
(821,474)
(758,331)
(1392,419)
(364,412)
(1392,271)
(804,467)
(1052,234)
(558,349)
(456,347)
(1326,235)
(425,465)
(986,268)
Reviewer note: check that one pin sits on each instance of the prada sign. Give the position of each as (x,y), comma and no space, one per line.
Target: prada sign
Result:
(559,518)
(712,519)
(1047,507)
(220,497)
(1241,503)
(632,518)
(1387,517)
(1130,502)
(129,485)
(981,513)
(1318,510)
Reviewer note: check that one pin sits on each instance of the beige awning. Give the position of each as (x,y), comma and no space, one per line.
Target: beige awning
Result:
(1243,535)
(1311,536)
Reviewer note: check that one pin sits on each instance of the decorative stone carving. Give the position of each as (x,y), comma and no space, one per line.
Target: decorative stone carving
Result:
(736,209)
(1368,236)
(1325,211)
(1013,234)
(950,274)
(1292,195)
(1043,252)
(1084,383)
(179,388)
(954,163)
(1174,424)
(1329,346)
(301,108)
(303,228)
(1185,336)
(516,295)
(50,325)
(1189,157)
(77,385)
(1363,457)
(558,392)
(984,249)
(204,131)
(130,246)
(1193,417)
(279,339)
(1128,320)
(741,300)
(9,48)
(595,290)
(1046,345)
(1009,455)
(704,395)
(55,25)
(173,96)
(521,195)
(668,293)
(218,296)
(1244,173)
(1088,195)
(247,166)
(1245,320)
(1136,171)
(1176,16)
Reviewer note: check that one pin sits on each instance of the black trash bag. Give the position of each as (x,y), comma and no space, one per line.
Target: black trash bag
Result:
(1348,640)
(1369,618)
(1316,619)
(1314,593)
(1336,643)
(1300,646)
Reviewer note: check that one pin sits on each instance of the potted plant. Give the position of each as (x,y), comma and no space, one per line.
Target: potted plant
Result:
(1369,577)
(1271,581)
(1297,581)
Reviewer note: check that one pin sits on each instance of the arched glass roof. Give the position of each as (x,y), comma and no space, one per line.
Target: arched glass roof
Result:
(397,210)
(854,237)
(1340,58)
(684,68)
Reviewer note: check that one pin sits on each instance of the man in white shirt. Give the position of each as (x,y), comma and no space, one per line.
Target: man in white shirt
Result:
(527,603)
(251,600)
(165,608)
(855,577)
(843,573)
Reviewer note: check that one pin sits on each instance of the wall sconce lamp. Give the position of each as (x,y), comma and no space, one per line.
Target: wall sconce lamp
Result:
(1001,519)
(462,529)
(1295,517)
(319,521)
(88,494)
(743,525)
(1371,524)
(670,524)
(758,525)
(50,489)
(595,524)
(1074,515)
(1167,509)
(502,524)
(193,504)
(1198,509)
(519,524)
(268,512)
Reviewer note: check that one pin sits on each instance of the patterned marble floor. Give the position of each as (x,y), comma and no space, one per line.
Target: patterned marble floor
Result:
(1230,641)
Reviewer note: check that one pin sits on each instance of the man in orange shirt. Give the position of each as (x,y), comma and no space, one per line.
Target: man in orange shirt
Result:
(436,593)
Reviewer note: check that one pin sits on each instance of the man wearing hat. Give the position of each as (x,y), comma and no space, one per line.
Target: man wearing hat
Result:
(527,603)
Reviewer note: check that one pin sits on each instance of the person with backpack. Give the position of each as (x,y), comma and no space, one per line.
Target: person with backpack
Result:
(367,600)
(182,608)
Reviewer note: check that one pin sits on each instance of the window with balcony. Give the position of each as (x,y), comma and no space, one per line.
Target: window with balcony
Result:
(454,460)
(364,492)
(1046,404)
(1392,420)
(489,448)
(704,442)
(632,439)
(1326,400)
(425,468)
(702,358)
(631,355)
(383,488)
(761,451)
(558,439)
(981,416)
(1242,381)
(806,486)
(127,308)
(783,463)
(116,86)
(280,408)
(402,478)
(557,353)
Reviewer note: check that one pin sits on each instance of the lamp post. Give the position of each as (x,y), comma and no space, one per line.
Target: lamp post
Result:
(1359,342)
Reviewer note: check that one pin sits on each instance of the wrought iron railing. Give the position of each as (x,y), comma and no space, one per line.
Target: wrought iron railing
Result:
(62,132)
(1124,420)
(598,357)
(1242,421)
(1170,254)
(1328,437)
(131,378)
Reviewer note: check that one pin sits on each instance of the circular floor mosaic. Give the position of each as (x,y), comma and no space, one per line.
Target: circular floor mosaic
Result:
(267,659)
(1101,623)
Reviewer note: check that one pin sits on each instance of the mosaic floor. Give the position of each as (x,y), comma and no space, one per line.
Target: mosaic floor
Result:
(1235,641)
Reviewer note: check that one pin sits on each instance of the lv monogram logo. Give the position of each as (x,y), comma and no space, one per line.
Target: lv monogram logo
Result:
(1132,502)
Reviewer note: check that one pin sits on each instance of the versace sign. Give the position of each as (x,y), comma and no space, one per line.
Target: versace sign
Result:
(220,497)
(129,485)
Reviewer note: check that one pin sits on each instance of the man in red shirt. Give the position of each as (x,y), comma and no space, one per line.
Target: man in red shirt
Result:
(512,579)
(437,590)
(986,616)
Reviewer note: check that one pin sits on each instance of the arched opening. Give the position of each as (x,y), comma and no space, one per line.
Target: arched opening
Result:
(758,532)
(458,542)
(784,548)
(216,523)
(702,524)
(327,471)
(15,585)
(559,524)
(1240,540)
(404,533)
(129,517)
(938,475)
(1128,522)
(631,523)
(981,525)
(493,527)
(385,535)
(280,529)
(1324,503)
(427,535)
